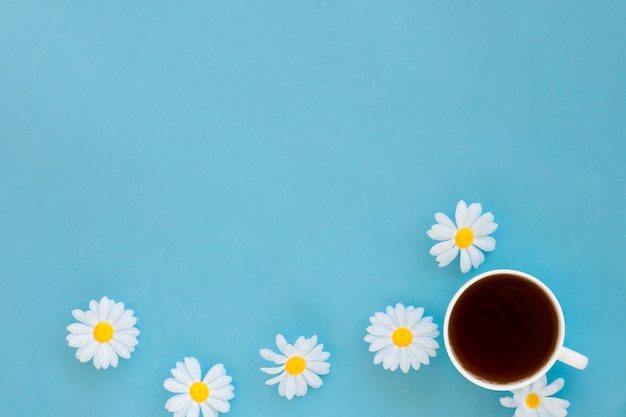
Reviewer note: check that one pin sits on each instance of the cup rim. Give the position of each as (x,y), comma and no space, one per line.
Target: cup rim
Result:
(516,384)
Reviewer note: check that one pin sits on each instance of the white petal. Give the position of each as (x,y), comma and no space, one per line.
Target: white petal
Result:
(116,312)
(220,405)
(102,358)
(440,232)
(460,214)
(78,340)
(113,358)
(87,352)
(375,321)
(486,243)
(194,410)
(111,355)
(79,328)
(426,342)
(484,225)
(124,337)
(213,373)
(82,317)
(193,366)
(508,402)
(301,386)
(271,356)
(391,360)
(220,382)
(381,354)
(486,229)
(207,410)
(104,308)
(391,314)
(539,384)
(425,328)
(174,385)
(555,406)
(299,342)
(317,354)
(182,373)
(441,247)
(94,306)
(378,330)
(183,411)
(312,379)
(225,393)
(92,318)
(418,354)
(523,411)
(520,396)
(307,346)
(424,321)
(405,362)
(320,368)
(476,256)
(380,343)
(130,331)
(276,380)
(273,370)
(400,315)
(290,387)
(466,263)
(287,349)
(445,258)
(415,363)
(553,388)
(473,213)
(124,322)
(414,317)
(445,221)
(120,349)
(282,383)
(385,320)
(178,402)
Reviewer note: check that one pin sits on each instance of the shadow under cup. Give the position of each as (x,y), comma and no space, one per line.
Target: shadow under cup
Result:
(503,329)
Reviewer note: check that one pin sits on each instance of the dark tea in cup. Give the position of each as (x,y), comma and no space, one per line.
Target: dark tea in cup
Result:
(504,329)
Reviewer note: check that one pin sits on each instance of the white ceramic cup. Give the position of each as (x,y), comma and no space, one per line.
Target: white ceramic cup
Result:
(559,352)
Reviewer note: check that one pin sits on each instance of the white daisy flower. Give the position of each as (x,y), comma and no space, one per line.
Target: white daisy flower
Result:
(402,337)
(535,400)
(211,394)
(105,332)
(300,365)
(469,236)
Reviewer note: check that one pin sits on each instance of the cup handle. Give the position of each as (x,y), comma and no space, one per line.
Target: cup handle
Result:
(573,358)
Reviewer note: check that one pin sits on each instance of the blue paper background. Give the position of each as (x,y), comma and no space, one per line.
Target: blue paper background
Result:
(231,170)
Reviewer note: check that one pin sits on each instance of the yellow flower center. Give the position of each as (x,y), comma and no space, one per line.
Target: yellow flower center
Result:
(295,365)
(103,332)
(464,237)
(199,392)
(533,400)
(402,337)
